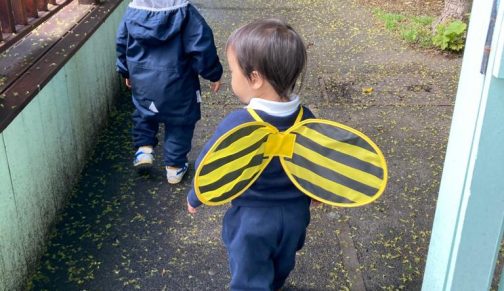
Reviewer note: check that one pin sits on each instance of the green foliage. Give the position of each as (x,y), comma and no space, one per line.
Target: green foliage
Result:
(417,30)
(410,35)
(450,35)
(423,20)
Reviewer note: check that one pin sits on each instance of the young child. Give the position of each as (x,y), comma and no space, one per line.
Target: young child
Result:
(162,47)
(266,225)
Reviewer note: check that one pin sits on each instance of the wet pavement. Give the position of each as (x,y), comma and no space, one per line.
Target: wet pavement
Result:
(123,230)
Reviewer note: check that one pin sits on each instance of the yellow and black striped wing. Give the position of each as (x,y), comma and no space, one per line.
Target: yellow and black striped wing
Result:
(335,164)
(233,163)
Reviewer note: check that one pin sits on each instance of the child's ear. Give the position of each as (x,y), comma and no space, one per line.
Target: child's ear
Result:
(256,80)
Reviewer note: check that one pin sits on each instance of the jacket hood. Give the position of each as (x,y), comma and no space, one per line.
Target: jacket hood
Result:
(154,21)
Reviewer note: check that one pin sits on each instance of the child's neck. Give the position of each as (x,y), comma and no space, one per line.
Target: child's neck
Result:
(271,95)
(266,91)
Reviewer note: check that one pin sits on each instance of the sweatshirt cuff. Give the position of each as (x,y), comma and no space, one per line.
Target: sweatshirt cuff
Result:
(192,199)
(124,74)
(216,74)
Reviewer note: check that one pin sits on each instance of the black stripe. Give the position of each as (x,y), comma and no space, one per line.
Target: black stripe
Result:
(224,160)
(231,176)
(237,135)
(331,175)
(237,188)
(341,135)
(340,157)
(319,192)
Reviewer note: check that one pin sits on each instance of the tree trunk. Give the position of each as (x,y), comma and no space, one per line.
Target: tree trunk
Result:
(453,10)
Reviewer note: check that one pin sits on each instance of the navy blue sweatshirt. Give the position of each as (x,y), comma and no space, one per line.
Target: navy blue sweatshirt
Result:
(273,187)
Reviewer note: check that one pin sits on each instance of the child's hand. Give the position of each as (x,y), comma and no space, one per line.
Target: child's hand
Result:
(191,209)
(127,82)
(215,86)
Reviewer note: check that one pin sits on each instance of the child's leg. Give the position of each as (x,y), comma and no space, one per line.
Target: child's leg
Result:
(144,139)
(177,144)
(250,235)
(297,218)
(144,130)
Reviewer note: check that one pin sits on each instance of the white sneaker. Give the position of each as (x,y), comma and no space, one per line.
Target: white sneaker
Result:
(143,157)
(175,175)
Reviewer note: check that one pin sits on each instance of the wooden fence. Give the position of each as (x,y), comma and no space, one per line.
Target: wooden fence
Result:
(18,17)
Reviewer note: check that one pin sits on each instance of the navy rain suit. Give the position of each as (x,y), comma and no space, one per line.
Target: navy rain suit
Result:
(162,47)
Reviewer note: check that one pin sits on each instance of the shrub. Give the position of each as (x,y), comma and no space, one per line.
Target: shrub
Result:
(450,35)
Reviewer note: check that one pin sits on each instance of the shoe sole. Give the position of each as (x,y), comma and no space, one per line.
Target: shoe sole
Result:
(143,166)
(174,181)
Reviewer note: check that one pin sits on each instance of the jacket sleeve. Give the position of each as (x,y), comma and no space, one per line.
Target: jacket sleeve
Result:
(121,46)
(199,44)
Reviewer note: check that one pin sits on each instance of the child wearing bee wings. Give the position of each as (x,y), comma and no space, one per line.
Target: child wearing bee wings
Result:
(271,158)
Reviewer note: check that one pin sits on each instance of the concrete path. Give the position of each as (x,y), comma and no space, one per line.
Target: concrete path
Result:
(124,231)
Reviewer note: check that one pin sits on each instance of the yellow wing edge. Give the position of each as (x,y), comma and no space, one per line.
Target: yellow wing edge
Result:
(211,150)
(356,132)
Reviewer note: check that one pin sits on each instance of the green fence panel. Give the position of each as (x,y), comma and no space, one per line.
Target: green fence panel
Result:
(59,139)
(12,253)
(24,141)
(97,104)
(45,147)
(76,115)
(104,64)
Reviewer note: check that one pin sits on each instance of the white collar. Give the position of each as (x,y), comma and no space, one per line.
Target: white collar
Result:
(275,108)
(158,5)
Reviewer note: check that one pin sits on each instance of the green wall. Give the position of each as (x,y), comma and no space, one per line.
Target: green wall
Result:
(43,150)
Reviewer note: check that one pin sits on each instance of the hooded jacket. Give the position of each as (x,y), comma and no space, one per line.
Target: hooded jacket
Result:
(162,47)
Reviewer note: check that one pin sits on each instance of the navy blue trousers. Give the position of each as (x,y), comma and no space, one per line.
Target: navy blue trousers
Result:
(177,138)
(262,243)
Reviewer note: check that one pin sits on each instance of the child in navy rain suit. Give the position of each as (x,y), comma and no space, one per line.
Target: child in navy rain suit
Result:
(162,47)
(266,225)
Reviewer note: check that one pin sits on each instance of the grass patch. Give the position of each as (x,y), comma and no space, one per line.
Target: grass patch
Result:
(412,29)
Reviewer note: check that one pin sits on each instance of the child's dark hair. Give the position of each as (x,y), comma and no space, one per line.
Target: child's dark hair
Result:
(273,49)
